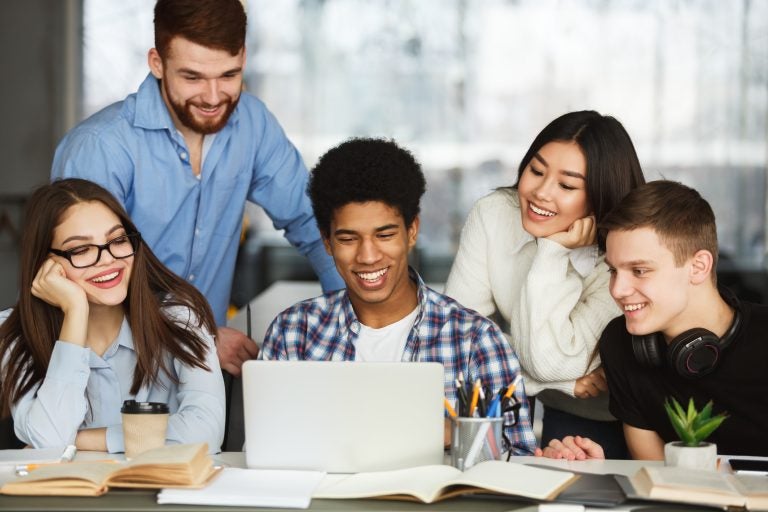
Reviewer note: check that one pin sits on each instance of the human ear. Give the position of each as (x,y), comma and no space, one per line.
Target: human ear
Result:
(413,232)
(701,266)
(155,63)
(327,244)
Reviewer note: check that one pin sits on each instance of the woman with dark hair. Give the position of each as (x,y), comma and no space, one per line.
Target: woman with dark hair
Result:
(530,254)
(100,320)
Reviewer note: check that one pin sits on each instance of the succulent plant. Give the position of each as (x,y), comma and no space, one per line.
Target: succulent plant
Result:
(692,426)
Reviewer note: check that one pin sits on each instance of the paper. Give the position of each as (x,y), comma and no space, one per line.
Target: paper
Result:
(30,455)
(250,487)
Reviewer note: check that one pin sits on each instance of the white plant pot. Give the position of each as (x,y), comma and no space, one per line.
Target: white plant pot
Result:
(703,456)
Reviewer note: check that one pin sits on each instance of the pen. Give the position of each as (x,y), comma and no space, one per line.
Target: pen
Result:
(68,455)
(25,469)
(462,398)
(511,387)
(248,319)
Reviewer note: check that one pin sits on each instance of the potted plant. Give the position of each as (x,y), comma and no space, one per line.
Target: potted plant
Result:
(693,427)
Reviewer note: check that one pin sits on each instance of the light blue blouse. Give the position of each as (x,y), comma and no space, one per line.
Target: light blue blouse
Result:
(82,390)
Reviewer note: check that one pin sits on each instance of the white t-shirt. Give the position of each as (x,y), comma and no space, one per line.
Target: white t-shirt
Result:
(387,343)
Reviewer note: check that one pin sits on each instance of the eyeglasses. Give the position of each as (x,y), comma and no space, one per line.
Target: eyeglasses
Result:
(88,255)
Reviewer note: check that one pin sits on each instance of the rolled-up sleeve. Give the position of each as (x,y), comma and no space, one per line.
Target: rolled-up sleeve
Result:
(51,414)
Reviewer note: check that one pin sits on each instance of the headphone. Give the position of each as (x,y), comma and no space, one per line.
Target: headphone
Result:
(693,353)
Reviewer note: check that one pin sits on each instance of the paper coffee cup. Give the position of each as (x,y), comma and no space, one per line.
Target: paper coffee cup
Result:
(144,426)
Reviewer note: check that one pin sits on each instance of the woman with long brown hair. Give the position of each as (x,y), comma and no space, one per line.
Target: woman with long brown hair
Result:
(100,320)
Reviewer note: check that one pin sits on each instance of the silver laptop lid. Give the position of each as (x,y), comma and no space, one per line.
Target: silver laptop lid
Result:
(342,417)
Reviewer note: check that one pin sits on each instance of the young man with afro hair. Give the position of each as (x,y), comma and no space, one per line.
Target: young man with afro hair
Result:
(365,194)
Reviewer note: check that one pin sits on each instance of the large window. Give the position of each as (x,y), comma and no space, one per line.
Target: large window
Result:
(466,84)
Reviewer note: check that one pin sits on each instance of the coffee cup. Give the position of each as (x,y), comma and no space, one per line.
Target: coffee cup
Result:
(144,426)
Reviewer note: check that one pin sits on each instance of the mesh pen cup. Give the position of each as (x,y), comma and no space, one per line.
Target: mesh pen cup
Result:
(475,440)
(144,426)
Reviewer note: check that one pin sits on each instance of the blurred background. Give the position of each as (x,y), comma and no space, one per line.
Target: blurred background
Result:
(464,84)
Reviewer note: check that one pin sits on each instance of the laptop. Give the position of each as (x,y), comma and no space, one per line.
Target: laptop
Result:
(342,417)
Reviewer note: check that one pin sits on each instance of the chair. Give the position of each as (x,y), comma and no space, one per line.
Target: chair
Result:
(8,439)
(234,425)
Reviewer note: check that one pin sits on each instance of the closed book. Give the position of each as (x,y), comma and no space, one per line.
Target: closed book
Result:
(701,487)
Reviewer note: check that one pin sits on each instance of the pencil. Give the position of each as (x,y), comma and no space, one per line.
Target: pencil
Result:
(449,408)
(475,396)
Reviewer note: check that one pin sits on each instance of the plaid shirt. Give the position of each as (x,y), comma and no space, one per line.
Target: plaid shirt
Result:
(325,329)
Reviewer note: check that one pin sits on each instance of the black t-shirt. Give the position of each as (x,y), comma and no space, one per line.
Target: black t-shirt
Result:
(738,385)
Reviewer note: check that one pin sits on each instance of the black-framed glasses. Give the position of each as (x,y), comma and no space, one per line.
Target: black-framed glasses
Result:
(88,255)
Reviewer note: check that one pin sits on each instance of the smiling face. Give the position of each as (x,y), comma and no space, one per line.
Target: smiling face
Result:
(652,291)
(105,283)
(200,85)
(369,244)
(552,189)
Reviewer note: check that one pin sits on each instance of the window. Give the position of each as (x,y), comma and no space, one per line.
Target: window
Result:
(467,84)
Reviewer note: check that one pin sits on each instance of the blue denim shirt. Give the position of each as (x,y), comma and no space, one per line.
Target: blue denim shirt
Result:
(193,223)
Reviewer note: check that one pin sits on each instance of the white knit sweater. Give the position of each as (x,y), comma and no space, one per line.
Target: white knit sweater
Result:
(556,313)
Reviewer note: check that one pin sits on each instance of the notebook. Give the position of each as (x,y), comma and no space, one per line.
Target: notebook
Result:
(342,417)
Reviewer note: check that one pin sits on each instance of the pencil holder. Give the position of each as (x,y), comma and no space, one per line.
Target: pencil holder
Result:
(475,440)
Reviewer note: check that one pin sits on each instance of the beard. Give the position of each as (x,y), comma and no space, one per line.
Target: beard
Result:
(184,113)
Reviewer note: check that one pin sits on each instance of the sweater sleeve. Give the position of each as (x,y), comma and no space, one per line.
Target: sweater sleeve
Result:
(559,319)
(469,280)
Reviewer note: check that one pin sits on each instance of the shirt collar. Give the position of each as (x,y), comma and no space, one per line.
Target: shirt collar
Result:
(349,318)
(124,339)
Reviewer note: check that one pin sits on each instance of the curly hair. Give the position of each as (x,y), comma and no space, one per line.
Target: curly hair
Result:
(365,169)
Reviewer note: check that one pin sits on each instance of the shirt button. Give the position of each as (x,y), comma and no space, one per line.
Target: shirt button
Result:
(191,277)
(197,231)
(183,155)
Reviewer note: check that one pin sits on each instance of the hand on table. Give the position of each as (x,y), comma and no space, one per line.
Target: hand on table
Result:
(572,448)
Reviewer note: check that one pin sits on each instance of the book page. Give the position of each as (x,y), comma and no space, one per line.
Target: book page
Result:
(516,479)
(686,486)
(250,488)
(690,479)
(183,465)
(72,478)
(423,482)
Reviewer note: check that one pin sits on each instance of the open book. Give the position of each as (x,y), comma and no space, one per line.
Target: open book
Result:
(181,465)
(435,483)
(701,487)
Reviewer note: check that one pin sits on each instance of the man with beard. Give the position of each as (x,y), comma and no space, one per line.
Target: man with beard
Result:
(186,151)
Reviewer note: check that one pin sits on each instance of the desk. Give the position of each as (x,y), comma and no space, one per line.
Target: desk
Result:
(145,500)
(120,500)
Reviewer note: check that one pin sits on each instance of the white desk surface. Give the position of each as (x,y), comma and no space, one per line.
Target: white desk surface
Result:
(619,467)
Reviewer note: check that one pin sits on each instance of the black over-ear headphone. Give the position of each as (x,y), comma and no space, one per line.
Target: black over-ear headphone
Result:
(693,353)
